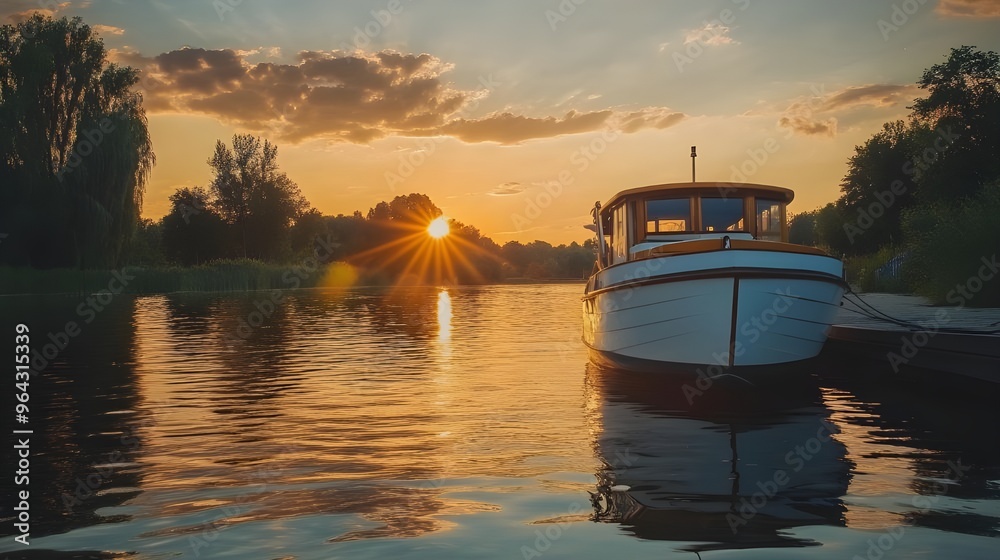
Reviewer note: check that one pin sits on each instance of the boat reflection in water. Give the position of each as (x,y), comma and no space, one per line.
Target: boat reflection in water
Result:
(731,466)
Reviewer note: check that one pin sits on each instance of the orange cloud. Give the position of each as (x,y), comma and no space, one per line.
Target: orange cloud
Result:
(878,95)
(650,117)
(507,189)
(107,29)
(814,116)
(508,128)
(27,9)
(969,8)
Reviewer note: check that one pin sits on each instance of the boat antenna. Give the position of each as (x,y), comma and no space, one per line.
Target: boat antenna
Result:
(694,154)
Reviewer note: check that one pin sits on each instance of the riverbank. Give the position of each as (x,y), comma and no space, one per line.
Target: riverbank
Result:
(229,276)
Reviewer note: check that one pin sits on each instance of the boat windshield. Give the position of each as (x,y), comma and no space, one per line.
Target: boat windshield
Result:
(668,216)
(722,214)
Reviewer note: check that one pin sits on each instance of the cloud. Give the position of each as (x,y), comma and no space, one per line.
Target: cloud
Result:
(800,118)
(268,52)
(969,8)
(507,189)
(357,97)
(877,95)
(508,128)
(650,117)
(809,127)
(712,33)
(20,10)
(107,29)
(820,114)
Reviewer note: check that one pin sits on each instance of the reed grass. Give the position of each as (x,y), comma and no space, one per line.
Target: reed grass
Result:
(221,276)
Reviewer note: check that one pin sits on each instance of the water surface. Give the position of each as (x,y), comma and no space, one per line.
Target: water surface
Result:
(468,423)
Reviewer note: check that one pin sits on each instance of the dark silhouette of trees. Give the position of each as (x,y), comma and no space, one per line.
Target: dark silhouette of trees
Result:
(252,195)
(802,228)
(881,176)
(481,255)
(963,102)
(193,233)
(146,248)
(303,236)
(540,260)
(945,152)
(929,186)
(75,151)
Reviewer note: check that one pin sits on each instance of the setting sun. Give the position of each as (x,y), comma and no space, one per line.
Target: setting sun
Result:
(438,228)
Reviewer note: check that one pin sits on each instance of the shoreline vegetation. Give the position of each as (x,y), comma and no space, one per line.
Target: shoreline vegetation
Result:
(223,277)
(921,196)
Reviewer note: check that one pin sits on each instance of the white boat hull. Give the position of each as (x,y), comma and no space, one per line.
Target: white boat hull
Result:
(726,308)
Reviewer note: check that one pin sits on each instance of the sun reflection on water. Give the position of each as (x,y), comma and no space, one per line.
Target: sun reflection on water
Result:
(444,316)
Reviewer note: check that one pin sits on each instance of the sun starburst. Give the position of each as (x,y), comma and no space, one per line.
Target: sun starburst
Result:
(438,228)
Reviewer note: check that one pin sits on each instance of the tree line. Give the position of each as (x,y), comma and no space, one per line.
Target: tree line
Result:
(926,188)
(75,156)
(389,242)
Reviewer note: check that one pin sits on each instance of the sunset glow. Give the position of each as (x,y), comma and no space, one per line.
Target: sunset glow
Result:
(516,117)
(438,228)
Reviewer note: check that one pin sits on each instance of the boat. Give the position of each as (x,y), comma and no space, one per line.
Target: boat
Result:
(701,274)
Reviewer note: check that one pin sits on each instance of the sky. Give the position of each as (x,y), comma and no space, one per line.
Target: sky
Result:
(517,116)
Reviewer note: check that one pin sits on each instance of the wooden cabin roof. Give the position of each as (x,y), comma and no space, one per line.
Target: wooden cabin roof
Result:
(704,189)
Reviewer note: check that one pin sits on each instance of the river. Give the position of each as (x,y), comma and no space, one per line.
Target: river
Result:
(463,423)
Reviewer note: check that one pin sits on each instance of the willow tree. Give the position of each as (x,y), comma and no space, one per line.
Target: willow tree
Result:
(75,151)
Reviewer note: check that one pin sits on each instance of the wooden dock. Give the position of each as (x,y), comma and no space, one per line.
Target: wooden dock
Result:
(958,341)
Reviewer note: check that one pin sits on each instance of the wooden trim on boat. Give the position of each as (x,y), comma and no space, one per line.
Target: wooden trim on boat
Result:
(732,272)
(710,245)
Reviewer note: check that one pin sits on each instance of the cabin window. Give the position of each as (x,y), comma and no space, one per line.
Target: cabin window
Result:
(770,217)
(620,236)
(668,216)
(722,214)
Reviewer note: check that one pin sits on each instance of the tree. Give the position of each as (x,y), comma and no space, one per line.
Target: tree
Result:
(480,260)
(146,247)
(516,255)
(802,228)
(963,105)
(253,196)
(879,185)
(75,151)
(403,216)
(193,233)
(830,233)
(945,153)
(309,226)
